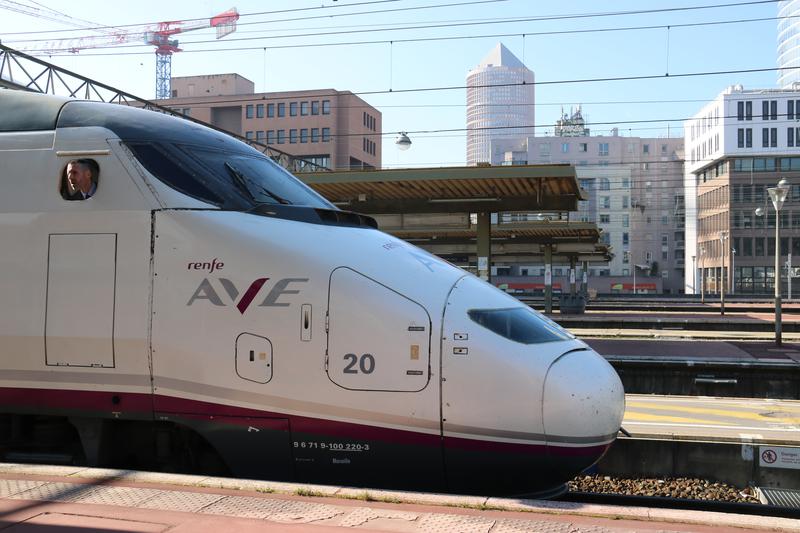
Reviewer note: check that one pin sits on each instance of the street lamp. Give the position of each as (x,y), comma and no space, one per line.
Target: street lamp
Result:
(694,276)
(723,235)
(702,274)
(402,141)
(778,195)
(733,269)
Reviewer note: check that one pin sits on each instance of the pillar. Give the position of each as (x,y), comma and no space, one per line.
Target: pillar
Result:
(548,278)
(484,246)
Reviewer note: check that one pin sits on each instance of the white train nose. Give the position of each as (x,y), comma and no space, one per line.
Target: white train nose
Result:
(583,401)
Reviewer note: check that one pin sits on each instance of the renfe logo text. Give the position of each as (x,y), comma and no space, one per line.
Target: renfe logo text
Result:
(211,267)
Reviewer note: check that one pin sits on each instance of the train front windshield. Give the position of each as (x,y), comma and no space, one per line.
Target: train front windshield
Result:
(234,180)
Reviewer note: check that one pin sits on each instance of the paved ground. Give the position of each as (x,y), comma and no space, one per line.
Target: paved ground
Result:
(65,499)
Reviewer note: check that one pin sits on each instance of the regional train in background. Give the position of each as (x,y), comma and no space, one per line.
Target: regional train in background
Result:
(206,311)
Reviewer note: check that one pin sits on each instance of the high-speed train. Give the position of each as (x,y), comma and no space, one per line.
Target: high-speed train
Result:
(204,310)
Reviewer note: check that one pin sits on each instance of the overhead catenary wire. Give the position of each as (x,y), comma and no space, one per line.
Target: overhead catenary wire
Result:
(420,39)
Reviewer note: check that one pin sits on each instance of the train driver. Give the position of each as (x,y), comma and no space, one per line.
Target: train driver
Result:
(80,180)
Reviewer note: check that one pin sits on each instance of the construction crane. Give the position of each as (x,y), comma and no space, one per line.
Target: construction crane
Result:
(159,35)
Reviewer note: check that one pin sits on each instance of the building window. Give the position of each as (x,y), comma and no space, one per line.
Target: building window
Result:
(249,111)
(625,202)
(739,110)
(765,137)
(248,135)
(740,138)
(270,110)
(773,137)
(314,135)
(603,149)
(281,136)
(748,137)
(326,107)
(315,107)
(626,221)
(260,135)
(583,147)
(605,202)
(304,135)
(765,110)
(605,219)
(790,109)
(326,135)
(544,149)
(748,110)
(645,148)
(625,238)
(790,137)
(293,109)
(564,148)
(303,109)
(260,111)
(271,137)
(292,136)
(281,109)
(773,109)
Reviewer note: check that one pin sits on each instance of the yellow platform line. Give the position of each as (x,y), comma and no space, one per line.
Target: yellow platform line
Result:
(789,418)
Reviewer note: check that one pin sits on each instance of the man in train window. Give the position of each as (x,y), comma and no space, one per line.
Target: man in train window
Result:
(80,180)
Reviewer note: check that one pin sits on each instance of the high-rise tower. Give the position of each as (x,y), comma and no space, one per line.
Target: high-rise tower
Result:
(500,98)
(788,43)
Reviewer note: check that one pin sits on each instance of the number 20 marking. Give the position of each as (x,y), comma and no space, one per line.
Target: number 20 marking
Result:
(366,363)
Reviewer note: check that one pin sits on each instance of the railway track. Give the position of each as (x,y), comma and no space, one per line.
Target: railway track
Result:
(684,504)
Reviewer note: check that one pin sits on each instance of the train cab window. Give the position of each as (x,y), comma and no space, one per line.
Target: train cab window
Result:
(162,165)
(80,179)
(236,180)
(519,324)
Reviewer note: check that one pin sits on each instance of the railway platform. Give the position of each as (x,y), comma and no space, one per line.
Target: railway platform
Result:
(74,499)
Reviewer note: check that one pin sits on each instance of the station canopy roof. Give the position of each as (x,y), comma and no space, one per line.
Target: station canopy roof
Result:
(493,189)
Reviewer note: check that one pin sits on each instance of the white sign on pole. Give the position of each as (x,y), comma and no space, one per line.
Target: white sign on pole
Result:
(572,275)
(483,263)
(779,457)
(548,275)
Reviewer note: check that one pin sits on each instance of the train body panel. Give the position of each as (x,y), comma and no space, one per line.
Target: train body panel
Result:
(206,295)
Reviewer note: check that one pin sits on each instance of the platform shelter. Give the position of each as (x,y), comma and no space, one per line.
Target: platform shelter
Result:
(450,210)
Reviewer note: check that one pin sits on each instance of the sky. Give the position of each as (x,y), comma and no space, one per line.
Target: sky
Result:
(410,58)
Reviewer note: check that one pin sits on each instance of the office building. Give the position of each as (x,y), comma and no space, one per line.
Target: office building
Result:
(788,43)
(500,102)
(635,194)
(333,129)
(737,146)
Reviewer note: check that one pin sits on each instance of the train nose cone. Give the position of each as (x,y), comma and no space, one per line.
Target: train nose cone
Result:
(583,406)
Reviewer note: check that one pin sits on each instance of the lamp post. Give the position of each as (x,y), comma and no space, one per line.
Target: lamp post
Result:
(733,270)
(723,235)
(702,274)
(694,276)
(778,195)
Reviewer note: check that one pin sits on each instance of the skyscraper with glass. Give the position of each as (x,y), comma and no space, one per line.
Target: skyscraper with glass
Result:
(500,98)
(788,43)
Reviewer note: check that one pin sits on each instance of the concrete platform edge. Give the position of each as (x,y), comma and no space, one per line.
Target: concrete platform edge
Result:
(84,474)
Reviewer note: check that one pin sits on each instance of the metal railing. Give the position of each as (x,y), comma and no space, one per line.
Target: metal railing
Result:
(22,72)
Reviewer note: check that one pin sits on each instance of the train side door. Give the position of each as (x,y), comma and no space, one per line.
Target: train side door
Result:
(379,355)
(97,255)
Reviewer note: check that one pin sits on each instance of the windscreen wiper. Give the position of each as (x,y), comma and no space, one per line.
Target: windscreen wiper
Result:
(241,181)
